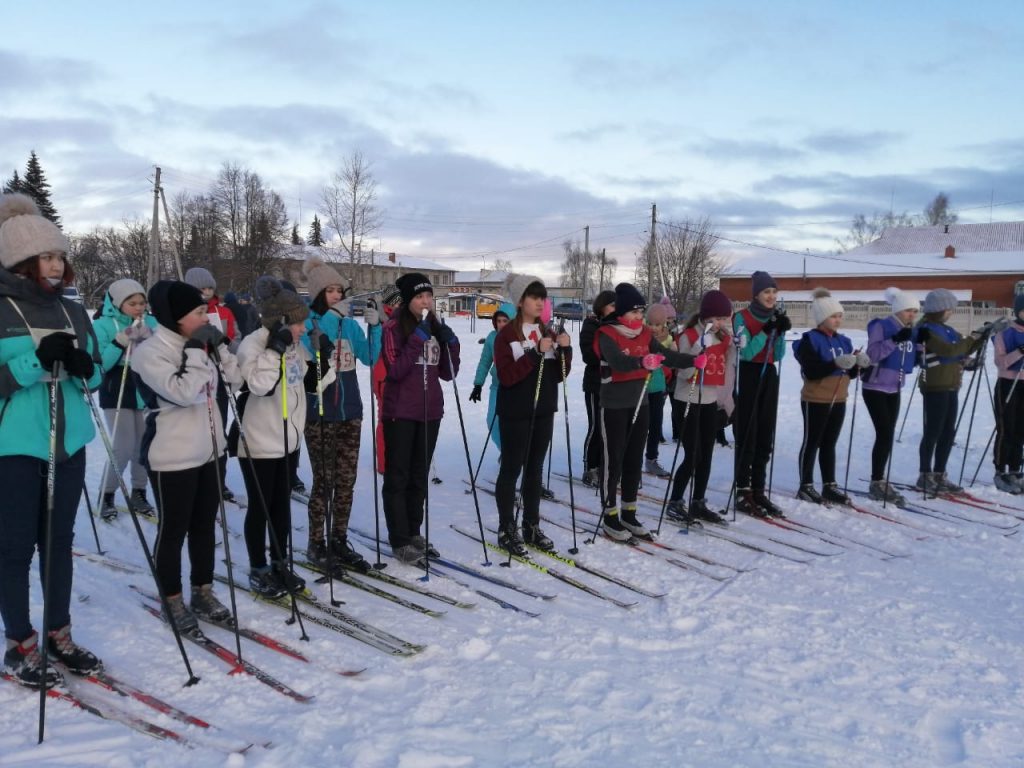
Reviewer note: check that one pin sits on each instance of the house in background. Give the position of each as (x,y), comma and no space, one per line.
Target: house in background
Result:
(983,264)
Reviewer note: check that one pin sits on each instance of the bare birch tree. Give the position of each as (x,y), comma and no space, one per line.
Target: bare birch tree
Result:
(350,208)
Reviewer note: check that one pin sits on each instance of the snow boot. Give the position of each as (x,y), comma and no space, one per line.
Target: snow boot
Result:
(316,553)
(25,664)
(700,510)
(344,555)
(264,582)
(652,467)
(183,617)
(945,485)
(770,507)
(747,504)
(880,490)
(286,577)
(421,544)
(205,604)
(140,503)
(108,509)
(77,659)
(628,519)
(532,534)
(510,541)
(676,510)
(1007,482)
(831,492)
(612,525)
(410,555)
(807,492)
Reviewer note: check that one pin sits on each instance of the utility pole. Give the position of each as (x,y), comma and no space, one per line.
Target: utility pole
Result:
(650,255)
(170,231)
(153,273)
(586,264)
(600,284)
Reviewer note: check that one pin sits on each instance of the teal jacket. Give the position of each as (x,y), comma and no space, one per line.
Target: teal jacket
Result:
(28,312)
(110,323)
(342,401)
(486,364)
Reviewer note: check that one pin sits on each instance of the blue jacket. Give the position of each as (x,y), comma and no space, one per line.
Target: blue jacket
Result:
(27,311)
(342,401)
(110,323)
(486,364)
(824,381)
(886,355)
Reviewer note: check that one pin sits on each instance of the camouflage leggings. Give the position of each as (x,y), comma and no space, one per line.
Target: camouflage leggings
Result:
(333,454)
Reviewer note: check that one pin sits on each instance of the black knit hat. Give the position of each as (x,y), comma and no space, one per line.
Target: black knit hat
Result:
(602,300)
(412,283)
(628,298)
(171,300)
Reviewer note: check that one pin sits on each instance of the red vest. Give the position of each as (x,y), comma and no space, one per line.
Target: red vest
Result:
(637,347)
(754,326)
(714,371)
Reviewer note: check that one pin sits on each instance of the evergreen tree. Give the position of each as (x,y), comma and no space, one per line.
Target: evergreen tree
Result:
(13,184)
(296,238)
(38,188)
(315,236)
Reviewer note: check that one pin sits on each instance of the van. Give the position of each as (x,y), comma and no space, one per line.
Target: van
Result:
(487,305)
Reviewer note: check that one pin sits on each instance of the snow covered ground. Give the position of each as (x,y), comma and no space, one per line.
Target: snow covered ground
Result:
(849,659)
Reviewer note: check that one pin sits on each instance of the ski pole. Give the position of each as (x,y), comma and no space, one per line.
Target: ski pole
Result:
(378,566)
(568,455)
(117,416)
(748,433)
(92,518)
(981,458)
(849,445)
(105,439)
(888,463)
(917,380)
(426,461)
(974,406)
(42,642)
(328,487)
(771,463)
(487,439)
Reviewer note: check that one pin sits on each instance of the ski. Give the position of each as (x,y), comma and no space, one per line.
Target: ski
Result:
(387,578)
(107,711)
(238,665)
(342,622)
(966,499)
(549,571)
(346,578)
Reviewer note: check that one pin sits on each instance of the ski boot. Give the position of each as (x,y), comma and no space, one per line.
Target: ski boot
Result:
(747,504)
(652,467)
(345,556)
(510,541)
(410,555)
(945,485)
(183,617)
(205,604)
(880,490)
(532,534)
(612,525)
(421,544)
(807,492)
(286,577)
(591,478)
(772,509)
(77,659)
(831,492)
(700,510)
(108,509)
(25,665)
(628,519)
(140,504)
(676,511)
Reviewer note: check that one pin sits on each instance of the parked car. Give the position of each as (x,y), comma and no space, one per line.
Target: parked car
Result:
(71,292)
(569,310)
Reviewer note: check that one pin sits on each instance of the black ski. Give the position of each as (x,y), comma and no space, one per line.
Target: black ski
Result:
(346,577)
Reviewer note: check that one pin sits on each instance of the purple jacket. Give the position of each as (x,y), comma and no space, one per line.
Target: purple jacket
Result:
(403,384)
(885,374)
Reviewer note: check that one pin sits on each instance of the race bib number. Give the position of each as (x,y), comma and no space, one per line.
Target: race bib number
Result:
(344,360)
(431,351)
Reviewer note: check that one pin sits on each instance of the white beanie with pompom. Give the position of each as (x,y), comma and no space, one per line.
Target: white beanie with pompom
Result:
(25,233)
(824,305)
(901,300)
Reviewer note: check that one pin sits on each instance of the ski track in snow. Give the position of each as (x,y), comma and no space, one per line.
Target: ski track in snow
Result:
(846,661)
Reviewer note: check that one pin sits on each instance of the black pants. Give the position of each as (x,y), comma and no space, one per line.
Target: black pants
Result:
(623,453)
(822,424)
(884,408)
(656,405)
(699,443)
(404,491)
(515,435)
(939,429)
(678,411)
(754,427)
(23,530)
(187,501)
(593,446)
(269,479)
(1008,453)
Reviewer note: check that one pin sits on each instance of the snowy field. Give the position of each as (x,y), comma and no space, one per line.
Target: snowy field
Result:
(852,658)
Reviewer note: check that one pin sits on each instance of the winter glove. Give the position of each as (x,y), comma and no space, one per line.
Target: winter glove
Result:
(423,329)
(79,364)
(205,337)
(474,396)
(313,376)
(320,340)
(280,338)
(863,361)
(55,347)
(700,361)
(122,340)
(770,327)
(903,334)
(137,332)
(783,323)
(371,316)
(445,335)
(846,362)
(652,361)
(923,334)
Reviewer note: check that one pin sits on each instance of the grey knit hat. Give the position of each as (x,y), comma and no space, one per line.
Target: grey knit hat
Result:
(939,300)
(515,286)
(24,232)
(319,275)
(120,290)
(200,278)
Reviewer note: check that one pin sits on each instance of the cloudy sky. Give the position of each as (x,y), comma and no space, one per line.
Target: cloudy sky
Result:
(499,130)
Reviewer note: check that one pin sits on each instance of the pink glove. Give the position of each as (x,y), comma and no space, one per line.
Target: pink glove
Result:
(652,361)
(700,361)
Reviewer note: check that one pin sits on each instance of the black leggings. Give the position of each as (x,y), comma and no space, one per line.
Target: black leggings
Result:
(656,404)
(1009,449)
(187,501)
(593,446)
(270,478)
(623,453)
(515,434)
(754,427)
(939,429)
(699,443)
(822,424)
(405,487)
(884,408)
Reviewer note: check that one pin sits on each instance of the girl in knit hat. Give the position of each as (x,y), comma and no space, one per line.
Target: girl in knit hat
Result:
(657,322)
(892,350)
(40,331)
(593,446)
(827,363)
(708,332)
(123,324)
(499,320)
(277,371)
(944,352)
(181,366)
(629,354)
(1008,453)
(418,351)
(760,333)
(525,358)
(332,440)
